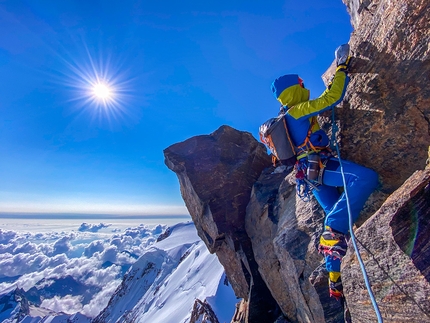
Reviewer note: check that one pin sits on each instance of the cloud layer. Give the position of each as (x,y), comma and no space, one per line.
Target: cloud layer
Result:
(93,261)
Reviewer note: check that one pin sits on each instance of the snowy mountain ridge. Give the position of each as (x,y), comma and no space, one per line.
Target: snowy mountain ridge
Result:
(168,283)
(164,283)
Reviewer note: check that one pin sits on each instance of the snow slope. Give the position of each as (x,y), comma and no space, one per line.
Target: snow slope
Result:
(163,284)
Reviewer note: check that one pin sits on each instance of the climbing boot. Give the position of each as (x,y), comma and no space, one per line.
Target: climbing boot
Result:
(332,244)
(335,288)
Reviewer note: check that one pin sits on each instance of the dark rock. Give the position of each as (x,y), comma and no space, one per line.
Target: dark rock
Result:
(273,257)
(333,310)
(164,235)
(15,304)
(216,173)
(275,254)
(203,313)
(395,249)
(284,232)
(268,249)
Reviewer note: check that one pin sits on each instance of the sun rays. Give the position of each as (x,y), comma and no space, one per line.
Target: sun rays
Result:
(97,86)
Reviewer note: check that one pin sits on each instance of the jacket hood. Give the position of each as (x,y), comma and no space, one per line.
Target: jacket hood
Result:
(289,90)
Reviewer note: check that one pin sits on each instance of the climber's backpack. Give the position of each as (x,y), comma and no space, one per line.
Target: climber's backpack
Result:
(274,134)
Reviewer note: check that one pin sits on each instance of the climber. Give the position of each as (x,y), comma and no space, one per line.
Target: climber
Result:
(317,170)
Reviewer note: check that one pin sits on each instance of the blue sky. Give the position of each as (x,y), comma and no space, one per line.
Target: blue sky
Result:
(176,69)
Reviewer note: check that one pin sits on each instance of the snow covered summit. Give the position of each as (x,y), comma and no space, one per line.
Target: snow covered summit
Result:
(164,284)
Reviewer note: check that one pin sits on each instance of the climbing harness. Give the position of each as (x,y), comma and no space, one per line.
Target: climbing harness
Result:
(310,171)
(363,268)
(311,161)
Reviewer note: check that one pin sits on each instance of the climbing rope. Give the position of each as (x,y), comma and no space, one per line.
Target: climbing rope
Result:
(363,268)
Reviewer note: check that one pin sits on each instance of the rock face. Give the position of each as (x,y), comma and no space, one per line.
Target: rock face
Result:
(285,232)
(395,247)
(385,118)
(230,161)
(268,244)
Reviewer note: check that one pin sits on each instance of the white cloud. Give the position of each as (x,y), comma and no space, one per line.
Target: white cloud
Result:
(27,281)
(158,229)
(56,261)
(93,247)
(68,304)
(124,258)
(6,248)
(101,299)
(85,227)
(109,254)
(6,236)
(27,247)
(20,264)
(101,277)
(83,255)
(62,245)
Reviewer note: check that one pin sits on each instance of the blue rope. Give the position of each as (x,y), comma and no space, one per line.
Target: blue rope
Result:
(363,268)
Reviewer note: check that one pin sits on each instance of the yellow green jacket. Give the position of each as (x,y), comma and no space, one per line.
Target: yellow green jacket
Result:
(291,93)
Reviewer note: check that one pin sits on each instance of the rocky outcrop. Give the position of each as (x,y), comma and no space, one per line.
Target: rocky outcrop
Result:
(385,116)
(216,174)
(395,247)
(230,161)
(203,313)
(14,306)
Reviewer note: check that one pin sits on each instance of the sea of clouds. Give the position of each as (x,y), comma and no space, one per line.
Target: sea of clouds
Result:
(73,271)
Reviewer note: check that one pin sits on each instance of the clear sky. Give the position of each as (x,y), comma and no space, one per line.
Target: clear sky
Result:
(175,69)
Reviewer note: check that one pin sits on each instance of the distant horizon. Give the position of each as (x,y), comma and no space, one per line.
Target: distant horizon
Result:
(83,216)
(78,205)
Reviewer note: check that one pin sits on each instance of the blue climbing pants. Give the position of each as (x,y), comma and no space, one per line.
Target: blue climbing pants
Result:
(360,183)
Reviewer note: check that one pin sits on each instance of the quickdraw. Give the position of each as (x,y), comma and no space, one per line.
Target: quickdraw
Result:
(304,186)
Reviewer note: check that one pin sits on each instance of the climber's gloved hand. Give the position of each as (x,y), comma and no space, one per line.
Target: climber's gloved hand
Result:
(342,58)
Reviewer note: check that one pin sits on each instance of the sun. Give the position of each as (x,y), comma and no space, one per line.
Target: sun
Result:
(102,91)
(99,84)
